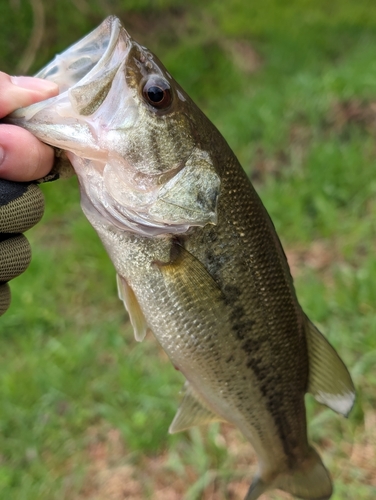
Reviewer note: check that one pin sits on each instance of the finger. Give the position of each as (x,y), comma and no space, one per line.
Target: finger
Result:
(19,91)
(22,156)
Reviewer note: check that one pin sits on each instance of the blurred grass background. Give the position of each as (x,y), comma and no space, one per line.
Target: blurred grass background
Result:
(84,409)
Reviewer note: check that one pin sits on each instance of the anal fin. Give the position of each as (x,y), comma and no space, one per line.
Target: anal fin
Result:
(257,488)
(192,411)
(329,380)
(126,294)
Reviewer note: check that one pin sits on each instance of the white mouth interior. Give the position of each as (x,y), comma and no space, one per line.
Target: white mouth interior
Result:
(92,53)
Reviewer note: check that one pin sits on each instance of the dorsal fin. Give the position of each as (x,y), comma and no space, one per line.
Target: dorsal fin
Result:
(192,411)
(329,380)
(126,294)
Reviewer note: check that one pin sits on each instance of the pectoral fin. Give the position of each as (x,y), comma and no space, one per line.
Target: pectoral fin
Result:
(191,412)
(184,273)
(126,294)
(191,285)
(329,379)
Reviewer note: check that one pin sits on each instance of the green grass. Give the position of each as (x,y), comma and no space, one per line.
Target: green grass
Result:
(303,124)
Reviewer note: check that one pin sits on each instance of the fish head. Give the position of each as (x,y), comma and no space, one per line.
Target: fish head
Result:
(134,138)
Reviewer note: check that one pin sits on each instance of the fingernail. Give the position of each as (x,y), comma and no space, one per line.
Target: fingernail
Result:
(38,84)
(2,155)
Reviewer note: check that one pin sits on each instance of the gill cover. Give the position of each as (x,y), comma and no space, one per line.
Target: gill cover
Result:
(162,185)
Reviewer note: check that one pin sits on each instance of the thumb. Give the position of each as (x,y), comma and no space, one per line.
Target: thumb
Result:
(19,91)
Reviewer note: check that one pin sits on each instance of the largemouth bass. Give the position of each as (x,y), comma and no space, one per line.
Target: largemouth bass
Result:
(197,258)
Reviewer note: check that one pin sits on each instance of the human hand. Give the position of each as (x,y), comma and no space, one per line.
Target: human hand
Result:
(22,158)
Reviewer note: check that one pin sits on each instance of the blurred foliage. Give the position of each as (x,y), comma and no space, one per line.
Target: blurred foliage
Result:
(292,86)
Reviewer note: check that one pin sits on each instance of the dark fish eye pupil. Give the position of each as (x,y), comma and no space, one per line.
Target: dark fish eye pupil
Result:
(155,94)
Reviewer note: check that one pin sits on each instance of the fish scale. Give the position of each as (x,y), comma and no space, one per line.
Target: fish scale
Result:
(242,306)
(197,257)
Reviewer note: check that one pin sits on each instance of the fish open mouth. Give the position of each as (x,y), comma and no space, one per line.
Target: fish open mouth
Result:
(84,73)
(91,54)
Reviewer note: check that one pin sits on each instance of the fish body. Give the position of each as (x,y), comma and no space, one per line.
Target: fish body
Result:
(197,258)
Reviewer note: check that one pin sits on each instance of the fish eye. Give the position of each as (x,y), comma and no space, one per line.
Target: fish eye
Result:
(157,92)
